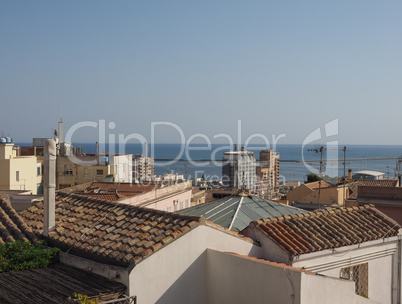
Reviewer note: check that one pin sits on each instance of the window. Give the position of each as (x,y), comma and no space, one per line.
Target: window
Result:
(38,170)
(17,176)
(86,171)
(99,172)
(358,274)
(181,205)
(39,188)
(187,203)
(68,170)
(169,209)
(175,207)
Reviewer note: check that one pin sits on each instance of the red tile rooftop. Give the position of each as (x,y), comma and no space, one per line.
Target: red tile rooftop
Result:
(129,187)
(110,232)
(326,229)
(12,226)
(316,185)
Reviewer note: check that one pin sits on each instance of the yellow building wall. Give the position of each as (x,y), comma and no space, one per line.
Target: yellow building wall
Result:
(327,196)
(78,174)
(4,174)
(27,174)
(28,178)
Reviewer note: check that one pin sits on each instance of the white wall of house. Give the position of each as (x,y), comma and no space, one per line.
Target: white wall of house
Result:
(316,289)
(233,279)
(178,272)
(379,255)
(271,250)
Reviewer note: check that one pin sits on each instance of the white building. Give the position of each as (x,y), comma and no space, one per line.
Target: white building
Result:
(238,170)
(359,244)
(143,168)
(123,164)
(164,257)
(367,174)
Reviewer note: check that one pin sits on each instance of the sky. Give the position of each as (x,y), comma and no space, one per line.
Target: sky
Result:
(177,69)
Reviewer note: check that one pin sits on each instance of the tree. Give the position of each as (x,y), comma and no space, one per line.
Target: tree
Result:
(312,177)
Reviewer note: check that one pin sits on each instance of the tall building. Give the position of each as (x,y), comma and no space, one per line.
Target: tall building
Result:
(269,171)
(143,168)
(238,169)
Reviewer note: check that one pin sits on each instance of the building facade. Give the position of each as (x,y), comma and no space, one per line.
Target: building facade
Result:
(88,168)
(143,168)
(239,170)
(269,168)
(19,172)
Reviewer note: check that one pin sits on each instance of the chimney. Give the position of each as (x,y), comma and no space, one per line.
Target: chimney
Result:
(49,178)
(61,131)
(350,174)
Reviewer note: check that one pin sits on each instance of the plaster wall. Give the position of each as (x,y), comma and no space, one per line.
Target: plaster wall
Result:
(233,279)
(318,289)
(178,272)
(170,196)
(270,250)
(378,255)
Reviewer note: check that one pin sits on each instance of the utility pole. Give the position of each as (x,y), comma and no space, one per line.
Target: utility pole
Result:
(321,149)
(344,175)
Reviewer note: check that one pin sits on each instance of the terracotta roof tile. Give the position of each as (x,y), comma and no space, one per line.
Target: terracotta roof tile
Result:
(120,232)
(316,185)
(370,183)
(124,187)
(321,230)
(12,226)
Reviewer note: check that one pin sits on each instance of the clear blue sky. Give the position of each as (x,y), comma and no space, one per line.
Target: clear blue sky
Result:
(279,66)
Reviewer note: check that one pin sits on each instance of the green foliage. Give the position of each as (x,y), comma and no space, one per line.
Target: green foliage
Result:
(83,299)
(24,255)
(312,177)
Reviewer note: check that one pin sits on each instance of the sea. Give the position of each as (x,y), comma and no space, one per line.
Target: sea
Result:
(296,161)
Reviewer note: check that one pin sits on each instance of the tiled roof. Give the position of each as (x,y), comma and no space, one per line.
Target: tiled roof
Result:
(326,229)
(55,284)
(12,226)
(370,183)
(130,187)
(235,212)
(316,185)
(109,196)
(116,232)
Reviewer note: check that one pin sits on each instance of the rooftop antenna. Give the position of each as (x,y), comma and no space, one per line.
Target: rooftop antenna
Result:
(320,150)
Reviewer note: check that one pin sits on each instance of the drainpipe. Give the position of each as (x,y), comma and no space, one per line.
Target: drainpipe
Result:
(49,178)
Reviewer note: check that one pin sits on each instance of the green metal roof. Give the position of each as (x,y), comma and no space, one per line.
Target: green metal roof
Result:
(236,212)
